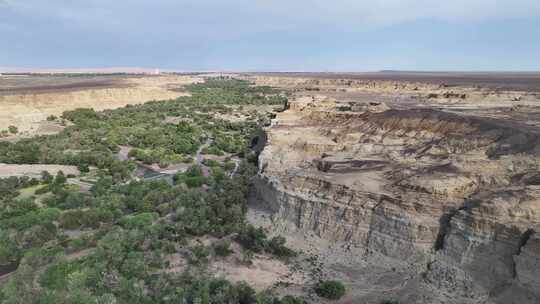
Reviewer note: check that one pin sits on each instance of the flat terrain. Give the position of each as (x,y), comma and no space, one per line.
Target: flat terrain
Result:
(518,81)
(27,100)
(26,84)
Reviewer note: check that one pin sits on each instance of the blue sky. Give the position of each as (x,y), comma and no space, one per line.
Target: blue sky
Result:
(272,35)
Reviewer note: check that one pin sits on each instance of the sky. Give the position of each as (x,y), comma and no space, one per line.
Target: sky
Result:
(272,35)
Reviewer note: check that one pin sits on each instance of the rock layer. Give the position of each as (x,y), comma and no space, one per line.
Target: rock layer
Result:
(454,196)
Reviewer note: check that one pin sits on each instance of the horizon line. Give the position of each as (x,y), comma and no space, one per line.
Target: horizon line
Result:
(153,70)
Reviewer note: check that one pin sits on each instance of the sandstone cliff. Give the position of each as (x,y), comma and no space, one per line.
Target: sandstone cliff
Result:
(456,197)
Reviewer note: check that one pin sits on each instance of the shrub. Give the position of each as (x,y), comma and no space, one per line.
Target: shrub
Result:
(70,219)
(60,178)
(245,293)
(74,200)
(83,168)
(332,290)
(91,218)
(199,255)
(291,300)
(9,250)
(230,165)
(56,275)
(211,162)
(80,116)
(223,249)
(139,221)
(46,177)
(195,182)
(13,129)
(85,241)
(218,174)
(213,151)
(194,171)
(42,190)
(277,247)
(193,177)
(252,238)
(255,239)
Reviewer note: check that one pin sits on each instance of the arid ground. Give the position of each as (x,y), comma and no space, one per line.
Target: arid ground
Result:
(27,100)
(407,186)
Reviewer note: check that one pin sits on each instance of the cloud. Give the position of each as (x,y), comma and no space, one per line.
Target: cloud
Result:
(268,15)
(391,11)
(131,31)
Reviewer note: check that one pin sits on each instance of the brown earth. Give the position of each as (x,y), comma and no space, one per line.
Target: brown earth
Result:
(407,190)
(26,101)
(7,170)
(25,84)
(514,81)
(422,188)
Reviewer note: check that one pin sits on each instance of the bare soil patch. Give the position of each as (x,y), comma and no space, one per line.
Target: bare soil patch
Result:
(7,170)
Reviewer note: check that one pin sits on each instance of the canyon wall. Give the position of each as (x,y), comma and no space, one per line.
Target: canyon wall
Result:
(456,197)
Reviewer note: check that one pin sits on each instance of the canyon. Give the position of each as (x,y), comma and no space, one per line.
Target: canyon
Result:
(415,188)
(416,191)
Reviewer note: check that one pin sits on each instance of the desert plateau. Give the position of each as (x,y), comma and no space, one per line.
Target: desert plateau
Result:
(287,187)
(270,152)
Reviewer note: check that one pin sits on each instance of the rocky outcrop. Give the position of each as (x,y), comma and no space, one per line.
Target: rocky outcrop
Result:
(454,196)
(527,262)
(421,91)
(485,241)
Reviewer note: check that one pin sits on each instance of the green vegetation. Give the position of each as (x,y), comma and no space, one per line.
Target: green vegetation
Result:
(95,137)
(193,177)
(13,129)
(291,300)
(110,243)
(255,239)
(223,249)
(332,290)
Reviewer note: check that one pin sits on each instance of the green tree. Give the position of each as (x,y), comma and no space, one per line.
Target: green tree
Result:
(223,248)
(9,250)
(60,178)
(13,129)
(46,177)
(291,300)
(331,289)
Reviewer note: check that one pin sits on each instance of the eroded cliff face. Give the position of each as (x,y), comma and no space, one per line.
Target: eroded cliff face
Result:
(456,197)
(421,92)
(27,109)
